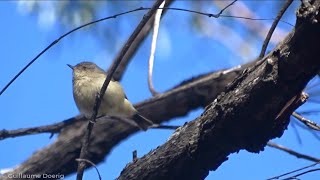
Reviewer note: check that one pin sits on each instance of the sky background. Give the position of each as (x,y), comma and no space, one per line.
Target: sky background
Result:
(42,95)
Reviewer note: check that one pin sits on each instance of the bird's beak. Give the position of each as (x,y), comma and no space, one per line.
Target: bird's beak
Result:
(70,66)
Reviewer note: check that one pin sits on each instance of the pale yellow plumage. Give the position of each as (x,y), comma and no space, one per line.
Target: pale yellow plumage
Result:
(87,81)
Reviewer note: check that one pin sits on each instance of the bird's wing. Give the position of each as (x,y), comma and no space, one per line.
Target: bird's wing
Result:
(120,88)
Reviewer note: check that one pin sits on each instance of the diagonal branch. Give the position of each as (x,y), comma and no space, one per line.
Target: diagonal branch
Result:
(246,116)
(292,152)
(310,124)
(52,128)
(273,27)
(57,127)
(294,171)
(136,44)
(86,138)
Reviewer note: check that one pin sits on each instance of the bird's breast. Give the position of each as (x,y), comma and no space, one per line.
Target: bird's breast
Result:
(85,91)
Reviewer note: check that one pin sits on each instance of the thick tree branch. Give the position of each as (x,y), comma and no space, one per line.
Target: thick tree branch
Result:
(246,116)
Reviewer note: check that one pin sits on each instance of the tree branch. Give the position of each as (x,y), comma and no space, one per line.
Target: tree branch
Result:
(310,124)
(56,127)
(52,128)
(246,116)
(99,96)
(133,48)
(292,152)
(294,171)
(273,27)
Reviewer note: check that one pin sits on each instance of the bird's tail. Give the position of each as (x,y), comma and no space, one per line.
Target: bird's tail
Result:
(142,122)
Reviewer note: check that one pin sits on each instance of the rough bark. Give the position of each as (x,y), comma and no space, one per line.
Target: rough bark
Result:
(59,157)
(254,109)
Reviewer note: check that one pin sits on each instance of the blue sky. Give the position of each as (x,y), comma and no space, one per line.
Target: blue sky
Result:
(43,94)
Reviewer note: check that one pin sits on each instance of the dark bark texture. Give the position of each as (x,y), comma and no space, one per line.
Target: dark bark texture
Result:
(254,109)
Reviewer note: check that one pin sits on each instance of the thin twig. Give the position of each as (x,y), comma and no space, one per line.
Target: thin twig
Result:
(135,45)
(153,48)
(306,172)
(307,122)
(53,128)
(303,126)
(164,127)
(92,164)
(154,42)
(292,152)
(297,170)
(86,140)
(221,15)
(227,7)
(255,19)
(134,155)
(273,27)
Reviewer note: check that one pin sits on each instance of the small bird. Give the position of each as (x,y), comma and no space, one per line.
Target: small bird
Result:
(87,81)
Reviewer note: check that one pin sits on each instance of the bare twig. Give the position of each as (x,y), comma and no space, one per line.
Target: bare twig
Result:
(304,127)
(140,38)
(157,126)
(222,15)
(53,128)
(297,170)
(153,48)
(255,19)
(273,27)
(86,140)
(307,122)
(292,152)
(92,164)
(203,13)
(134,155)
(306,172)
(227,7)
